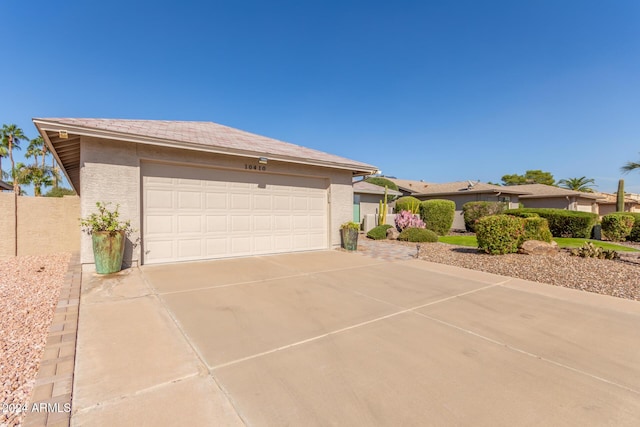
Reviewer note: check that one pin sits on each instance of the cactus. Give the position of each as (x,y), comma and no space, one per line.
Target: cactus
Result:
(382,209)
(620,199)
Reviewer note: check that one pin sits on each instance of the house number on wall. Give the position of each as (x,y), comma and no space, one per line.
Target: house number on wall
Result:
(255,167)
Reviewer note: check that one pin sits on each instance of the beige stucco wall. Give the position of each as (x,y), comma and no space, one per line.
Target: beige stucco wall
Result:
(110,172)
(552,203)
(369,204)
(46,225)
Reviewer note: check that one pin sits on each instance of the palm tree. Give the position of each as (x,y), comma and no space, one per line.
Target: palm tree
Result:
(629,167)
(36,175)
(11,135)
(583,184)
(36,148)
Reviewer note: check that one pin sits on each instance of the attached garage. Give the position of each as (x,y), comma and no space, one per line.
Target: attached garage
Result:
(193,213)
(200,190)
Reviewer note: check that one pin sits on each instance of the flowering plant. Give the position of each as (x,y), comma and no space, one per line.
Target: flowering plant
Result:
(406,219)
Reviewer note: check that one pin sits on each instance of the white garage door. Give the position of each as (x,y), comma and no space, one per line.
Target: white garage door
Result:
(192,213)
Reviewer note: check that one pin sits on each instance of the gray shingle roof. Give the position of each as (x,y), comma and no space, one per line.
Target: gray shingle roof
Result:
(212,135)
(461,187)
(537,191)
(362,187)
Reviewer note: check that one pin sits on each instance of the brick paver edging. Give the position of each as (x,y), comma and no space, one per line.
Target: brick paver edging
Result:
(53,387)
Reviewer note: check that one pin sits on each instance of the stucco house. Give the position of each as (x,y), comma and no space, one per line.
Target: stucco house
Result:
(462,192)
(607,203)
(5,187)
(367,198)
(200,190)
(548,196)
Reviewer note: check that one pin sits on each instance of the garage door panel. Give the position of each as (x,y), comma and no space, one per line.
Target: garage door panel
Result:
(281,203)
(240,201)
(189,249)
(189,224)
(217,223)
(216,200)
(216,247)
(241,246)
(262,223)
(198,213)
(241,224)
(159,199)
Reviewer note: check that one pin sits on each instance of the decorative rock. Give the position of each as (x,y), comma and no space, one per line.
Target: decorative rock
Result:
(392,233)
(536,247)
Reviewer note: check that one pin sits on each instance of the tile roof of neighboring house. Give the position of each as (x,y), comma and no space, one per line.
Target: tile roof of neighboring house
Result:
(537,191)
(362,187)
(612,199)
(460,187)
(5,186)
(200,135)
(409,185)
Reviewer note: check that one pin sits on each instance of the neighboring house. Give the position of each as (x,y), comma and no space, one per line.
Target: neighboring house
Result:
(462,192)
(367,197)
(200,190)
(548,196)
(408,187)
(607,204)
(5,187)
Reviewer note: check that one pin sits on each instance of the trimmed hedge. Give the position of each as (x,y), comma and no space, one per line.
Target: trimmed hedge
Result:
(617,226)
(418,235)
(379,232)
(407,203)
(634,236)
(563,223)
(536,228)
(438,215)
(499,234)
(473,211)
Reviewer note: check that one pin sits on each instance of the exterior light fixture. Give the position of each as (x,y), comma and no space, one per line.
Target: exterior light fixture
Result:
(263,160)
(63,134)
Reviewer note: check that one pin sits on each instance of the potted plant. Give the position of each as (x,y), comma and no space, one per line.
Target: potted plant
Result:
(108,237)
(349,232)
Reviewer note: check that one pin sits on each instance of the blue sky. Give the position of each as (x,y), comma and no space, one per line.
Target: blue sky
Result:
(432,90)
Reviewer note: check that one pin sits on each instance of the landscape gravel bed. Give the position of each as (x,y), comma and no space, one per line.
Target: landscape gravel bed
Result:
(620,278)
(29,291)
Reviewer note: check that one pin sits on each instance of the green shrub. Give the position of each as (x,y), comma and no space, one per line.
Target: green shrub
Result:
(536,228)
(438,215)
(473,211)
(563,223)
(499,234)
(408,203)
(383,182)
(379,232)
(418,235)
(634,235)
(617,226)
(60,192)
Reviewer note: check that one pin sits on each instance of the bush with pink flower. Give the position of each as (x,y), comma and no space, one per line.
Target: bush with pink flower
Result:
(406,219)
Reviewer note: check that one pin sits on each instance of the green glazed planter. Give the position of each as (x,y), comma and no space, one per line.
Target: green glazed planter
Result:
(349,239)
(108,251)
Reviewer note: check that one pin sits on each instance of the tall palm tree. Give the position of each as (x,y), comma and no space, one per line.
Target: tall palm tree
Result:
(11,135)
(630,166)
(36,148)
(583,184)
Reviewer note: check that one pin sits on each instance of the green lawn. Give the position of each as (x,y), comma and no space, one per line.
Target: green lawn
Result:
(562,242)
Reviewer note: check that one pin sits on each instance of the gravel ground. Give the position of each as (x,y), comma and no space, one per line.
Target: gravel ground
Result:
(617,278)
(29,291)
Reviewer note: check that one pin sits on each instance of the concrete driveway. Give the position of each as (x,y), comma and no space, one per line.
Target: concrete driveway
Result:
(333,338)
